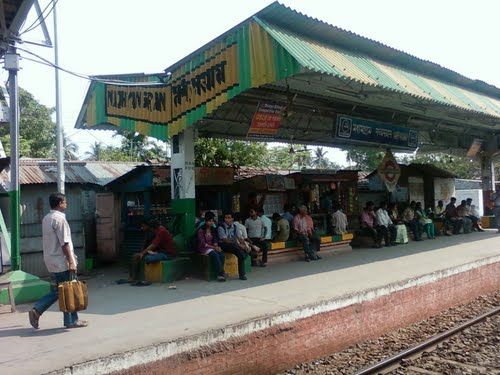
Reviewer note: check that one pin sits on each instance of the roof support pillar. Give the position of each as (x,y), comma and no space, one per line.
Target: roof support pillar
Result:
(183,185)
(487,179)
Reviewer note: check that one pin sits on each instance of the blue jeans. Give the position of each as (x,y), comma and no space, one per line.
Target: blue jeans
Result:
(135,265)
(311,245)
(155,258)
(218,261)
(48,300)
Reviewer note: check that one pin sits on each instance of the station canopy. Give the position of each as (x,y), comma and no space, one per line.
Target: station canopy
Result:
(328,86)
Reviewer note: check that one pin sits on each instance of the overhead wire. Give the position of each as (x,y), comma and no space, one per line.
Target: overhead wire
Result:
(44,61)
(41,18)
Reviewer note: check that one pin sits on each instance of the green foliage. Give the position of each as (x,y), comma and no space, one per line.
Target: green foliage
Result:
(462,166)
(226,153)
(36,128)
(365,159)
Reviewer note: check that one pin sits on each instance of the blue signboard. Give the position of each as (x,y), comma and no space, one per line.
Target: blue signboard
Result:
(355,129)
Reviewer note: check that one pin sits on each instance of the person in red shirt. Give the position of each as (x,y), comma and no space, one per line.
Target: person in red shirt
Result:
(159,249)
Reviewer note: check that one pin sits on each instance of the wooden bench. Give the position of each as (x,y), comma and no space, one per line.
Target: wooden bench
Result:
(7,285)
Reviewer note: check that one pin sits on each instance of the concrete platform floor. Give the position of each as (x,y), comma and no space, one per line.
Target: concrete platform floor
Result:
(123,317)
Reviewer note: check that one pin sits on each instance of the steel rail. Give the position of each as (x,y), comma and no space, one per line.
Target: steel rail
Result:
(391,361)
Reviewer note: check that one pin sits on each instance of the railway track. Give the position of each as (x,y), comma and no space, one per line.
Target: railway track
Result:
(425,357)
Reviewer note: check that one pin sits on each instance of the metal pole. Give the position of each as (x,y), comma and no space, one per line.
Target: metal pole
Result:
(12,65)
(59,126)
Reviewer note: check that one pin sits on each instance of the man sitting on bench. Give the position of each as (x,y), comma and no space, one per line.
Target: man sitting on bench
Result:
(304,226)
(369,224)
(161,248)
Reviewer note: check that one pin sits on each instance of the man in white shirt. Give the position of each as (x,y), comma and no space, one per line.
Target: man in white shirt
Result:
(256,232)
(59,257)
(386,225)
(339,219)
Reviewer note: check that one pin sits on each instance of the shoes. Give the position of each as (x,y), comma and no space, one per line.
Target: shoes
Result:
(78,324)
(221,278)
(34,318)
(243,277)
(262,264)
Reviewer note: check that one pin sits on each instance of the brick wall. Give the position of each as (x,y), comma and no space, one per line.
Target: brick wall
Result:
(283,346)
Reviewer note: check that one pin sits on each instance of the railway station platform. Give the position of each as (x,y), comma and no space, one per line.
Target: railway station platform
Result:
(284,314)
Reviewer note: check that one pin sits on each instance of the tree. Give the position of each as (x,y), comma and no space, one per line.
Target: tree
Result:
(461,166)
(365,159)
(227,153)
(36,128)
(320,161)
(70,148)
(96,151)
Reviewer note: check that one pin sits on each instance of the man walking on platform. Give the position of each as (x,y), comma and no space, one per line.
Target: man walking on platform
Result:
(59,257)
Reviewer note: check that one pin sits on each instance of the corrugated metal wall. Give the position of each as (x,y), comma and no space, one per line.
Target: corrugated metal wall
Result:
(35,205)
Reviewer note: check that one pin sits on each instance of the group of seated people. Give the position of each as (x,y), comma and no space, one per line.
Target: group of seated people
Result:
(253,236)
(385,223)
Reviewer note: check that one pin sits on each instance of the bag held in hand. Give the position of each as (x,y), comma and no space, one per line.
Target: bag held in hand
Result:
(73,296)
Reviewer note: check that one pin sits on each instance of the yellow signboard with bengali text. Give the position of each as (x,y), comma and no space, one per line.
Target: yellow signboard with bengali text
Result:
(162,104)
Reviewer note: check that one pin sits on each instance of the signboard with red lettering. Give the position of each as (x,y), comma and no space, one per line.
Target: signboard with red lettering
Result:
(389,171)
(266,121)
(213,176)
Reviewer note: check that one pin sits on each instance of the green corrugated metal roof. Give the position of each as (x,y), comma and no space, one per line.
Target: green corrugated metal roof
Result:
(326,58)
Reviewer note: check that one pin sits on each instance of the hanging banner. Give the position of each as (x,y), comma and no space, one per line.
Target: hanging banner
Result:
(266,121)
(374,132)
(389,171)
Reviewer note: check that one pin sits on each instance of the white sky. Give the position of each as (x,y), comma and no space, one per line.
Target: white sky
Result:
(124,36)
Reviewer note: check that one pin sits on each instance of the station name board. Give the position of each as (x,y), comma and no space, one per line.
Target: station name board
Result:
(355,129)
(188,89)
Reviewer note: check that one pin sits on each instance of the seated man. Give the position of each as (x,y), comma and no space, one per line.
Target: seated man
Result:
(160,248)
(388,228)
(462,211)
(495,199)
(282,228)
(256,232)
(451,215)
(304,226)
(473,216)
(410,219)
(339,220)
(229,242)
(369,223)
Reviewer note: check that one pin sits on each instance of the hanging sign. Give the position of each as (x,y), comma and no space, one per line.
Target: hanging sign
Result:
(149,103)
(190,87)
(206,176)
(266,121)
(389,171)
(355,129)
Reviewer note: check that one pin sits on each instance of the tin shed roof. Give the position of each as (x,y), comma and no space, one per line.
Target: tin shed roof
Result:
(36,171)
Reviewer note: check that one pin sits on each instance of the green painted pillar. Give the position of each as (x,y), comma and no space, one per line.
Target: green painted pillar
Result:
(26,287)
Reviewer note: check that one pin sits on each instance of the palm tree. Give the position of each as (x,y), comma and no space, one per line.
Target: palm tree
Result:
(96,151)
(135,145)
(320,161)
(70,148)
